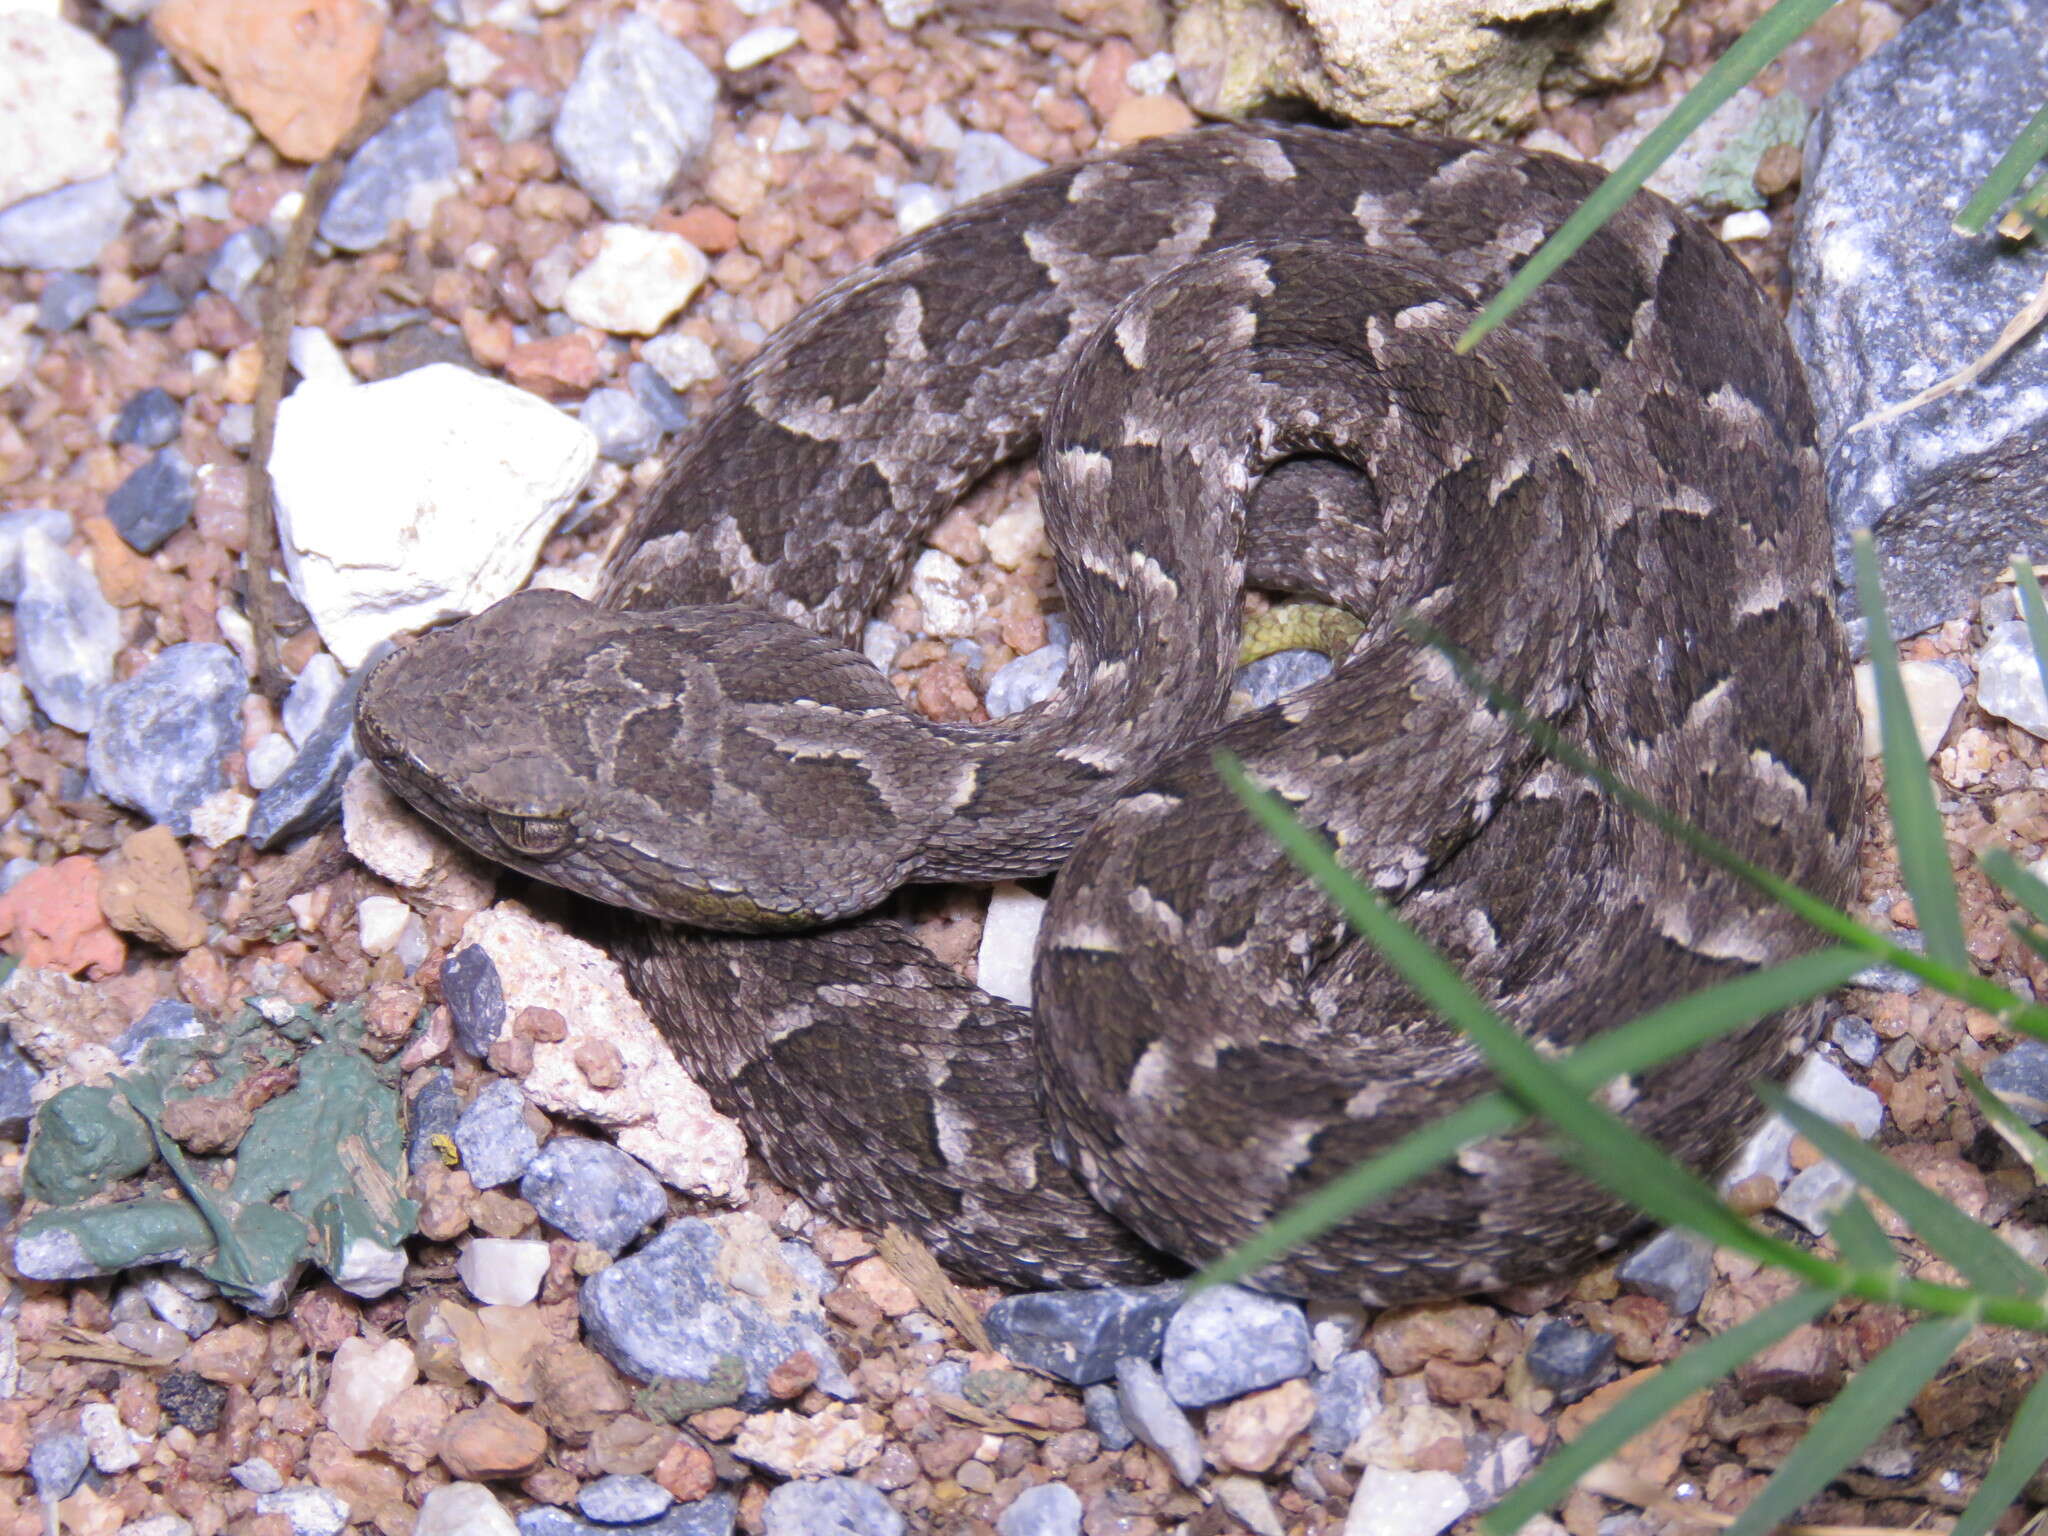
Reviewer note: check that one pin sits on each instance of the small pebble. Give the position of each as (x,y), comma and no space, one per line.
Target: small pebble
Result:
(987,162)
(1079,1336)
(160,740)
(384,180)
(153,309)
(1675,1267)
(1855,1039)
(14,528)
(1105,1417)
(637,115)
(65,633)
(503,1271)
(151,418)
(67,299)
(2020,1076)
(1156,1419)
(1347,1399)
(496,1142)
(56,1462)
(1567,1360)
(593,1192)
(1050,1509)
(67,228)
(154,502)
(625,429)
(622,1498)
(1230,1341)
(829,1506)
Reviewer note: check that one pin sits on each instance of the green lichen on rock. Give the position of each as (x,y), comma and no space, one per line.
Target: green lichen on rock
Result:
(283,1145)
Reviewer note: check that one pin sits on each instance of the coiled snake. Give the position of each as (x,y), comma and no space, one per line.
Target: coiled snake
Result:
(1234,347)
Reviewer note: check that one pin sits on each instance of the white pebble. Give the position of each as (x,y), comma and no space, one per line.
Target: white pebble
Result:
(502,1271)
(269,758)
(935,583)
(1932,694)
(1750,224)
(637,280)
(680,360)
(757,45)
(1009,943)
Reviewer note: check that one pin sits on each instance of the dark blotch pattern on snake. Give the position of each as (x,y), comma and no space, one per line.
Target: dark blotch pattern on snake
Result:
(1233,349)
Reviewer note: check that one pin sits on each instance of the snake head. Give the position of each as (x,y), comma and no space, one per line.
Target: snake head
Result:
(713,766)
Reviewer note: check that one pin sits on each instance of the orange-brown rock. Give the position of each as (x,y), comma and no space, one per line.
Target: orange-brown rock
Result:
(298,68)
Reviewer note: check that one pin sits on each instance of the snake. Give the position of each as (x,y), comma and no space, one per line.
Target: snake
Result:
(1234,351)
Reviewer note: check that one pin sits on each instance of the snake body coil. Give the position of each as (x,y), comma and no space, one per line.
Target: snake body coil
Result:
(1234,348)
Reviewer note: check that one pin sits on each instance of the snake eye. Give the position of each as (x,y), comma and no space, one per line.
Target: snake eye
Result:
(534,837)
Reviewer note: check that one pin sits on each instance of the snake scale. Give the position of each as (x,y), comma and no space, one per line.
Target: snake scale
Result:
(1233,350)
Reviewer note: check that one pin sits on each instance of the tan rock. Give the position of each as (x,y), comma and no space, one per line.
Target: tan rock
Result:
(231,1356)
(576,1392)
(491,1442)
(1147,117)
(366,1376)
(410,1426)
(833,1440)
(1249,1434)
(299,69)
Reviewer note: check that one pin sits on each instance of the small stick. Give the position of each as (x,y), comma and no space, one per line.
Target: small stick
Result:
(280,303)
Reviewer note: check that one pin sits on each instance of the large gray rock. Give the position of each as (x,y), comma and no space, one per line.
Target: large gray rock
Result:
(1888,300)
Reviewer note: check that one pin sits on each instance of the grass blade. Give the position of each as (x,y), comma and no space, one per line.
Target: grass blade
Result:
(1860,1239)
(1762,41)
(1694,1371)
(1908,793)
(1656,1037)
(1972,1247)
(1609,1152)
(2021,885)
(2020,157)
(2017,1130)
(2026,1448)
(1859,1413)
(2034,609)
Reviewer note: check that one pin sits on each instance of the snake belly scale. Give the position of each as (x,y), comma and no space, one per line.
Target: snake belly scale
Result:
(1233,351)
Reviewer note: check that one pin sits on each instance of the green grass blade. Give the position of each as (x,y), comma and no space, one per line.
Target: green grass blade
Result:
(1908,793)
(2021,885)
(1656,1037)
(2034,609)
(2020,157)
(1694,1371)
(1961,982)
(1764,40)
(1607,1151)
(1981,1254)
(2026,1448)
(2018,1132)
(1875,1396)
(1860,1239)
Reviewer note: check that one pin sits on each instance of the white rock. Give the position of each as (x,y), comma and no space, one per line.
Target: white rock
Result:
(818,1445)
(2009,680)
(112,1446)
(312,1511)
(987,162)
(365,1377)
(318,360)
(65,632)
(268,759)
(313,692)
(60,105)
(463,1509)
(409,851)
(470,60)
(503,1271)
(680,360)
(1404,1503)
(635,282)
(1932,695)
(1823,1088)
(381,922)
(1750,224)
(757,45)
(175,137)
(222,817)
(1009,943)
(1014,536)
(658,1114)
(19,346)
(917,204)
(442,520)
(945,610)
(369,1269)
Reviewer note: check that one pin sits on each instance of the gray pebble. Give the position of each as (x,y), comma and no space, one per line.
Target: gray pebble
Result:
(1105,1417)
(311,697)
(636,117)
(1230,1341)
(521,114)
(1050,1509)
(68,298)
(1675,1267)
(1079,1336)
(66,228)
(166,1019)
(493,1137)
(150,419)
(154,502)
(2020,1076)
(1272,678)
(18,1078)
(1814,1195)
(1347,1399)
(670,412)
(56,1463)
(669,1310)
(626,430)
(239,263)
(623,1498)
(475,998)
(1025,680)
(1855,1039)
(160,740)
(433,1112)
(416,148)
(713,1516)
(15,527)
(1157,1420)
(153,309)
(830,1506)
(593,1192)
(65,633)
(987,162)
(307,795)
(1567,1360)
